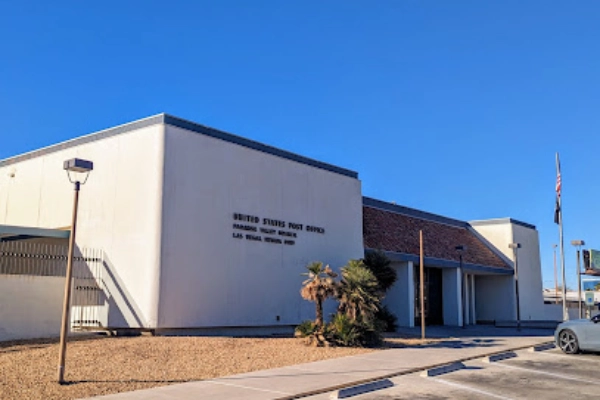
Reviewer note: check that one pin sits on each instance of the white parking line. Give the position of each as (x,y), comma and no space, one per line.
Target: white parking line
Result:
(574,358)
(560,376)
(470,389)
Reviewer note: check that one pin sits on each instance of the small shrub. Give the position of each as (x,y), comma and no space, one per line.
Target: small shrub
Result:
(314,335)
(370,333)
(343,331)
(305,329)
(388,320)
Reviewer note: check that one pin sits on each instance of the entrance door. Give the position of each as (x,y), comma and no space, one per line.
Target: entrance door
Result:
(433,296)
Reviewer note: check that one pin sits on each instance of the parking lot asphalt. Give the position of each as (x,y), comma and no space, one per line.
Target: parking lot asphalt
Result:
(547,375)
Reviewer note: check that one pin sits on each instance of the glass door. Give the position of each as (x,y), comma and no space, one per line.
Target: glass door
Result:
(433,296)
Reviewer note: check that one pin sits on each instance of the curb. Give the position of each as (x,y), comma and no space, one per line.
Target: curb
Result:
(395,374)
(455,366)
(500,357)
(542,347)
(360,389)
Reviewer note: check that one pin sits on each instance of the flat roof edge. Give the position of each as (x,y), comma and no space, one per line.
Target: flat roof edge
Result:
(251,144)
(412,212)
(91,137)
(183,124)
(499,221)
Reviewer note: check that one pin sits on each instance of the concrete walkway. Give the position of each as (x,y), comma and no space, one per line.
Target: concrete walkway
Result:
(322,376)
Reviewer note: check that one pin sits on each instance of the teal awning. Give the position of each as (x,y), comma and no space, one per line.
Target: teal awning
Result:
(11,232)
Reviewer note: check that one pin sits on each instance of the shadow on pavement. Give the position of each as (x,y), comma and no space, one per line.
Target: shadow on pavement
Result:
(448,344)
(442,332)
(71,383)
(304,373)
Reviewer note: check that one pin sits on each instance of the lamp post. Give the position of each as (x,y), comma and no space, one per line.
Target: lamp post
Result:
(578,244)
(554,246)
(516,247)
(460,249)
(74,165)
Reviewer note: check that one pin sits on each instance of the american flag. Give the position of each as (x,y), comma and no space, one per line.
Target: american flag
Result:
(558,183)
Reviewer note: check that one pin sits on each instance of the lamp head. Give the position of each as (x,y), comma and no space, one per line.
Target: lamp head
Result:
(78,165)
(514,245)
(577,242)
(460,248)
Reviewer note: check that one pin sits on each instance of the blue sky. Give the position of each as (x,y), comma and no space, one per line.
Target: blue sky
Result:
(455,108)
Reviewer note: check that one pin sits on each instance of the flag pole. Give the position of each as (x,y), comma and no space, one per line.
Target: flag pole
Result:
(554,246)
(562,245)
(421,284)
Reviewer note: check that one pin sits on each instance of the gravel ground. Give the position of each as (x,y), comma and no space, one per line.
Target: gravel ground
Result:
(103,365)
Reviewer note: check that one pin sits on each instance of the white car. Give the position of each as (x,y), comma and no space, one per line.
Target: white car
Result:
(578,335)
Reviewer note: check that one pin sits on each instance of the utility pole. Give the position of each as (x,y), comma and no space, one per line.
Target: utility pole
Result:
(578,244)
(515,247)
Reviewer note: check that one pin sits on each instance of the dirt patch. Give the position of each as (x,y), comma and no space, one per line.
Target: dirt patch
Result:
(104,365)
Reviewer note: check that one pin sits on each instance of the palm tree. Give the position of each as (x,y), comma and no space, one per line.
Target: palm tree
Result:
(380,265)
(359,294)
(318,287)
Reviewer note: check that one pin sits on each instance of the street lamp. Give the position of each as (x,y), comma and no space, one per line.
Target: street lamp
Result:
(516,247)
(578,244)
(460,249)
(76,166)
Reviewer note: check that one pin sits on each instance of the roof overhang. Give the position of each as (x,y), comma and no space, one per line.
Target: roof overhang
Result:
(11,232)
(442,263)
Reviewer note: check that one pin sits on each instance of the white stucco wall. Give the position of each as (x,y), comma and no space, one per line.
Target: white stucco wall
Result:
(554,312)
(500,234)
(401,296)
(210,278)
(30,306)
(531,295)
(452,295)
(119,210)
(468,299)
(171,261)
(494,296)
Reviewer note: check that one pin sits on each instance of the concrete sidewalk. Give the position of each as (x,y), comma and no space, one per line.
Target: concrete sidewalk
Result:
(323,376)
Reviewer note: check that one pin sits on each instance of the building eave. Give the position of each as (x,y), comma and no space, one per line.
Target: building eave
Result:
(443,263)
(412,212)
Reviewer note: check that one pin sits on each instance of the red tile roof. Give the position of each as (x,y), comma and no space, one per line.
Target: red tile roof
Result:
(392,231)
